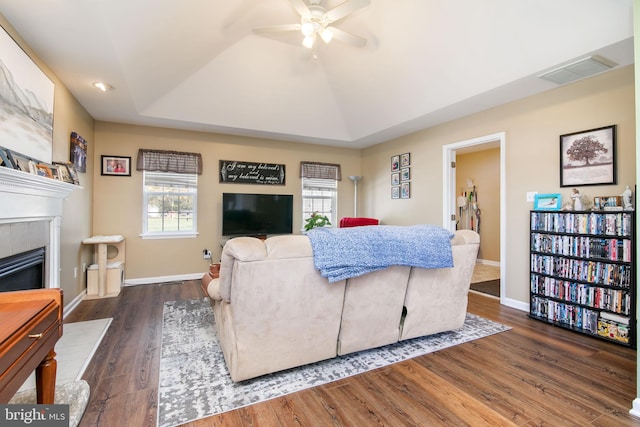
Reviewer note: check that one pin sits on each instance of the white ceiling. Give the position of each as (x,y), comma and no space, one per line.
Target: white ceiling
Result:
(197,65)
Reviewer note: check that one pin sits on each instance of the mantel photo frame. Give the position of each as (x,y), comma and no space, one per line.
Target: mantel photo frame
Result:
(116,165)
(588,157)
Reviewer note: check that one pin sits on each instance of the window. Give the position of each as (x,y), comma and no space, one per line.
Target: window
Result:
(319,195)
(320,190)
(170,201)
(170,192)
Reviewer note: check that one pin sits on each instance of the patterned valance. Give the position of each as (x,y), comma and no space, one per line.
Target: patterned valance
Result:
(320,170)
(169,161)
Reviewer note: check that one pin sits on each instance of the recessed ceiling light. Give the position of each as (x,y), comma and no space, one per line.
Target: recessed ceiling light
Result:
(102,86)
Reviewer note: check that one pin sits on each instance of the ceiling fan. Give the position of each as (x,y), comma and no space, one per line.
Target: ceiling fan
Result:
(317,22)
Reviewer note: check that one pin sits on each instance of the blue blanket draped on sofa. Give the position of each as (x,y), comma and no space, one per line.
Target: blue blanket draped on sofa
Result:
(342,253)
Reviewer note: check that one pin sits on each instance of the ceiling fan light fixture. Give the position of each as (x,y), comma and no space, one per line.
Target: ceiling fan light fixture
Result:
(307,28)
(326,34)
(308,41)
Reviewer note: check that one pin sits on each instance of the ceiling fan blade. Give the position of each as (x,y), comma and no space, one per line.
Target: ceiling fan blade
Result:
(345,8)
(301,7)
(277,28)
(349,38)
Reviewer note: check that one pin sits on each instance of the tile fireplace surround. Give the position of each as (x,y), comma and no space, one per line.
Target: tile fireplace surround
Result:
(30,217)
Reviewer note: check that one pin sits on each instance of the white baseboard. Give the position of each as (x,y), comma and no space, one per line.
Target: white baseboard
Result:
(635,410)
(73,304)
(488,262)
(161,279)
(519,305)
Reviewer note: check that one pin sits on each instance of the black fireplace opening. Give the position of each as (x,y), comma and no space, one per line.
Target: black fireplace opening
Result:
(23,271)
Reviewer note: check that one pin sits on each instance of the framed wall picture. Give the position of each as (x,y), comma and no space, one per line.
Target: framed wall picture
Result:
(78,152)
(405,190)
(405,159)
(116,165)
(395,178)
(395,192)
(588,157)
(405,174)
(395,163)
(547,202)
(30,107)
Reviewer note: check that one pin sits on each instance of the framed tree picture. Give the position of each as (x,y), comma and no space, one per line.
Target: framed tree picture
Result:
(588,157)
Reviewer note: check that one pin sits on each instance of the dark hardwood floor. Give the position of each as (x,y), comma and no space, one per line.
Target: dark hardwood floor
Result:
(532,375)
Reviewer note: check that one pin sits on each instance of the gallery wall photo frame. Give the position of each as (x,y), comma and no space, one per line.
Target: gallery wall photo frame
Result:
(405,174)
(588,157)
(547,202)
(31,129)
(405,159)
(395,192)
(405,190)
(115,165)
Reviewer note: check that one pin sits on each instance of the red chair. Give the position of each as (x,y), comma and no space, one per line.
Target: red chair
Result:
(357,222)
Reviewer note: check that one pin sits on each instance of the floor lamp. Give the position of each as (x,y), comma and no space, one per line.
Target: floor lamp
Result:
(355,180)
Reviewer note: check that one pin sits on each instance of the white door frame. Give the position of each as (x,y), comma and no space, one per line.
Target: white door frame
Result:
(449,192)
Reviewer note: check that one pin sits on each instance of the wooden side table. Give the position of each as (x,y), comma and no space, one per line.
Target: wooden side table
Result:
(30,326)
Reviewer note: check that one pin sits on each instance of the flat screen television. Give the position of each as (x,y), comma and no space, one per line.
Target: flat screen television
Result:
(256,214)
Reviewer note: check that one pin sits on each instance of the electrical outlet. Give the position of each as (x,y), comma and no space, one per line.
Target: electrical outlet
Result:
(206,254)
(531,196)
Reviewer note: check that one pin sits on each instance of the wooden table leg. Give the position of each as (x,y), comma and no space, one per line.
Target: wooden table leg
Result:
(46,379)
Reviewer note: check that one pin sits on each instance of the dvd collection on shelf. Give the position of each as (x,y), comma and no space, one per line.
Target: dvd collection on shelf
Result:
(582,274)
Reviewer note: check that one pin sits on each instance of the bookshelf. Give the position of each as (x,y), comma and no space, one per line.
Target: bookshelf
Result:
(582,272)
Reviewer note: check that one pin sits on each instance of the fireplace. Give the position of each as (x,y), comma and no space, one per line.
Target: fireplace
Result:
(23,271)
(30,217)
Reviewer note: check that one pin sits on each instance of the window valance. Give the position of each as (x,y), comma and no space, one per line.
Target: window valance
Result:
(169,161)
(320,170)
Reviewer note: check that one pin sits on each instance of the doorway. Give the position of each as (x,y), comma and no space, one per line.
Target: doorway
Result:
(457,214)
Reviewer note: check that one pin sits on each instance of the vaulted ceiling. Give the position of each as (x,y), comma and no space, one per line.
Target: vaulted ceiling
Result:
(198,65)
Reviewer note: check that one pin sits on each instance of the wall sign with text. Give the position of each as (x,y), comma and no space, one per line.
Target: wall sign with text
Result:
(234,172)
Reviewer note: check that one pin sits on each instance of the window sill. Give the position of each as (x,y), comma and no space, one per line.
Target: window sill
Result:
(189,235)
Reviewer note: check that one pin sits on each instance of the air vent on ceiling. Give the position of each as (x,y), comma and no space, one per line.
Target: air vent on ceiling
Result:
(578,70)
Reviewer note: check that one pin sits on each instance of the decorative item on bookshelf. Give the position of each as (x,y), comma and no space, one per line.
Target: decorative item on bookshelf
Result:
(582,272)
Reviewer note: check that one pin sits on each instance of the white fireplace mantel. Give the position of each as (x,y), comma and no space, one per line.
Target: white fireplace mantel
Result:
(26,197)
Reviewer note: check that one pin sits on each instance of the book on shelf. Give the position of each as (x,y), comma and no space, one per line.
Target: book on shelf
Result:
(614,317)
(613,330)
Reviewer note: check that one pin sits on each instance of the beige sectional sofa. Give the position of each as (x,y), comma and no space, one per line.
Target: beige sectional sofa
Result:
(273,310)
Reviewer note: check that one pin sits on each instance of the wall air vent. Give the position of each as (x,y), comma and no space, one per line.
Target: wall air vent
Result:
(578,70)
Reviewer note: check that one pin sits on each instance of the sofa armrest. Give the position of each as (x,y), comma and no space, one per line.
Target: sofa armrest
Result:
(214,291)
(465,237)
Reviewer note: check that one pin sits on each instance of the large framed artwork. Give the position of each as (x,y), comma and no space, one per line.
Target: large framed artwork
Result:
(588,157)
(27,114)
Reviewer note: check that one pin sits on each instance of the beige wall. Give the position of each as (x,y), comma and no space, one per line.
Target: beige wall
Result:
(68,116)
(118,200)
(532,128)
(483,168)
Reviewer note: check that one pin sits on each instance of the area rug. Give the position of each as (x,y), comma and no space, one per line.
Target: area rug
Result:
(195,383)
(491,287)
